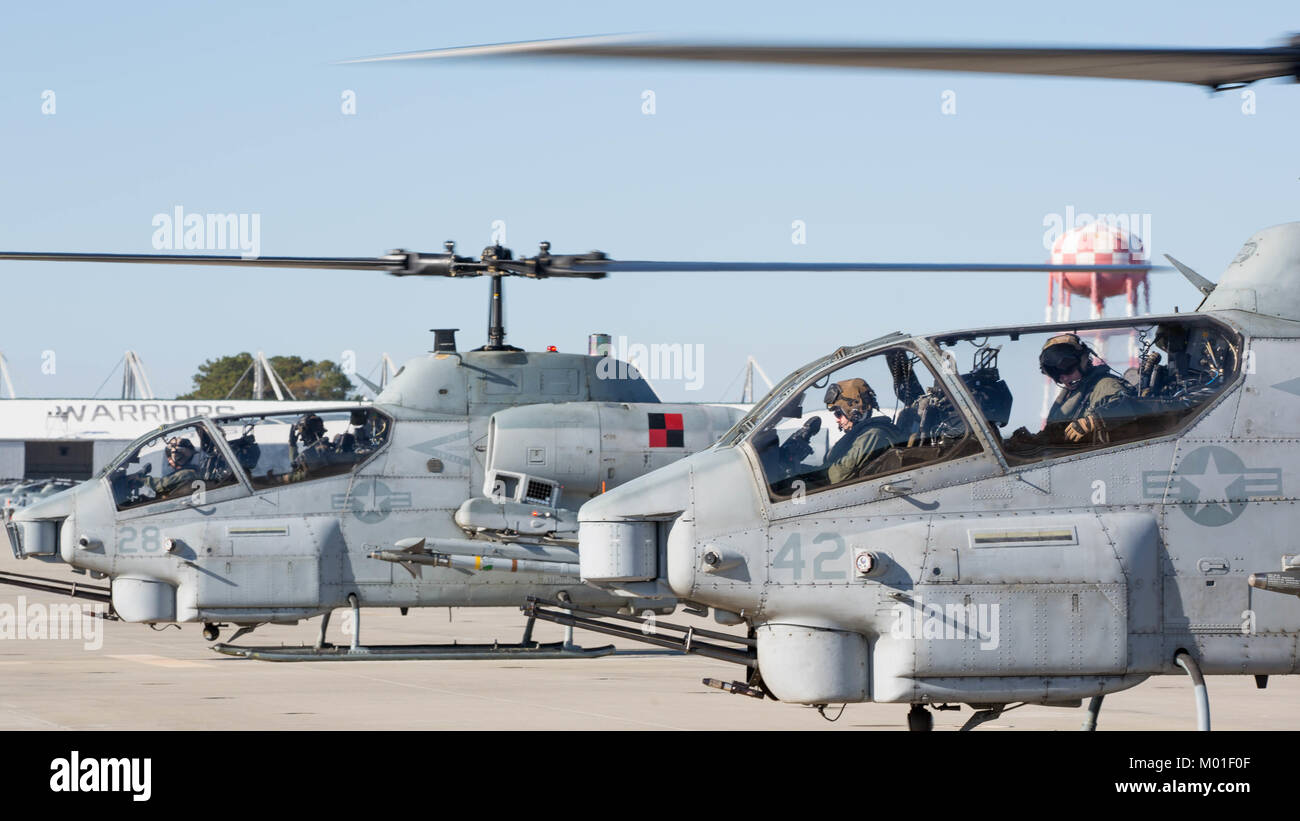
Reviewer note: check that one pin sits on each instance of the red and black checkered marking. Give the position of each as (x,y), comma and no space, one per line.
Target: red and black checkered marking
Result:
(666,430)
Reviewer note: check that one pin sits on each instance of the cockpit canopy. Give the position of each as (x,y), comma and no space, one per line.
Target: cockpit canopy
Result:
(286,448)
(883,407)
(263,450)
(1135,379)
(867,416)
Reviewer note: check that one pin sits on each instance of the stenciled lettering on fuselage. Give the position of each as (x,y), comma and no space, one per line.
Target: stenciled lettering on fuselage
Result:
(446,448)
(371,501)
(1212,485)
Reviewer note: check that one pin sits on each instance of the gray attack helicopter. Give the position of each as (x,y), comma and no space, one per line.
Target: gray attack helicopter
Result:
(458,486)
(1140,526)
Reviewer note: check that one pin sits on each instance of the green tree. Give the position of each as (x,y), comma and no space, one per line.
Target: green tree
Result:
(232,377)
(312,380)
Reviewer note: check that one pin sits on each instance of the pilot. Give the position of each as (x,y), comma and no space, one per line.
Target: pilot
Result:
(308,447)
(371,429)
(180,458)
(852,401)
(1093,401)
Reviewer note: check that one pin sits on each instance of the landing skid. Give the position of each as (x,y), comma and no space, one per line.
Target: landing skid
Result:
(324,651)
(410,652)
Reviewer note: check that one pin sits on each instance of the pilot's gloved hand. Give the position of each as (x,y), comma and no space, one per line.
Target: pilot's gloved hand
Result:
(1083,429)
(797,446)
(1022,438)
(794,451)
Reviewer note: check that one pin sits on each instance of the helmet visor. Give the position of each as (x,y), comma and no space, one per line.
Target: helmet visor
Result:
(1059,360)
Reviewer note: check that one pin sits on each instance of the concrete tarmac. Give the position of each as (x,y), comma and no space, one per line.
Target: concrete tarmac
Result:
(131,677)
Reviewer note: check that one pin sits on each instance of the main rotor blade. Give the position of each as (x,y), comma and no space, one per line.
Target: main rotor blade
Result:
(614,266)
(1213,67)
(591,266)
(344,263)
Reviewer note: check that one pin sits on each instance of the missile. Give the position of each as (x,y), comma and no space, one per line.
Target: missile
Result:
(480,563)
(1285,582)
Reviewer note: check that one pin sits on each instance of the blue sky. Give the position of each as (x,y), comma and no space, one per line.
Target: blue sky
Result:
(232,107)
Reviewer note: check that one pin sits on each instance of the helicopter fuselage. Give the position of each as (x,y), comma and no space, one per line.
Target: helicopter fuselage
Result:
(965,565)
(257,532)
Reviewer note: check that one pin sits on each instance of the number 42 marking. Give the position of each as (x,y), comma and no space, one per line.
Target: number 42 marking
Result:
(790,557)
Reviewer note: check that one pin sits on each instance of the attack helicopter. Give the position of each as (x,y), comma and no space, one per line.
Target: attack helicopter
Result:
(945,562)
(458,486)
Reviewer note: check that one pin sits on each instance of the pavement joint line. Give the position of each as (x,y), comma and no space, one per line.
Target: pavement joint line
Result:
(160,661)
(21,715)
(513,701)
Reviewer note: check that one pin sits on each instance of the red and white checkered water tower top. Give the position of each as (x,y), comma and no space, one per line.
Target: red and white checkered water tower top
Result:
(1099,243)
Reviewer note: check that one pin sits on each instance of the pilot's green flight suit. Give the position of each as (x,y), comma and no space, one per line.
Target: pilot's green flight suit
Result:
(1100,394)
(855,449)
(306,459)
(183,477)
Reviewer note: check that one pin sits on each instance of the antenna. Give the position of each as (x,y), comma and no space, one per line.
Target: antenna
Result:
(135,382)
(259,378)
(264,373)
(4,377)
(387,370)
(751,365)
(747,392)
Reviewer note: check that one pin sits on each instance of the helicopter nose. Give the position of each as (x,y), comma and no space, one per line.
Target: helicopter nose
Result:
(35,531)
(33,538)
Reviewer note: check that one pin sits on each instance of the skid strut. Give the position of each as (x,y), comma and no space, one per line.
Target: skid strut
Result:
(409,652)
(650,631)
(356,651)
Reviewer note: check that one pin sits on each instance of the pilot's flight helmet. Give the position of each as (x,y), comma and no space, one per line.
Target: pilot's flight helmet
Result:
(247,451)
(179,450)
(853,398)
(310,428)
(358,417)
(1062,354)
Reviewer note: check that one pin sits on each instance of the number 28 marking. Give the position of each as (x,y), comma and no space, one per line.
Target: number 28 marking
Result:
(149,541)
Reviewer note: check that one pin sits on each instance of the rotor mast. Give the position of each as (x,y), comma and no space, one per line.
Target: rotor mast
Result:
(496,331)
(496,316)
